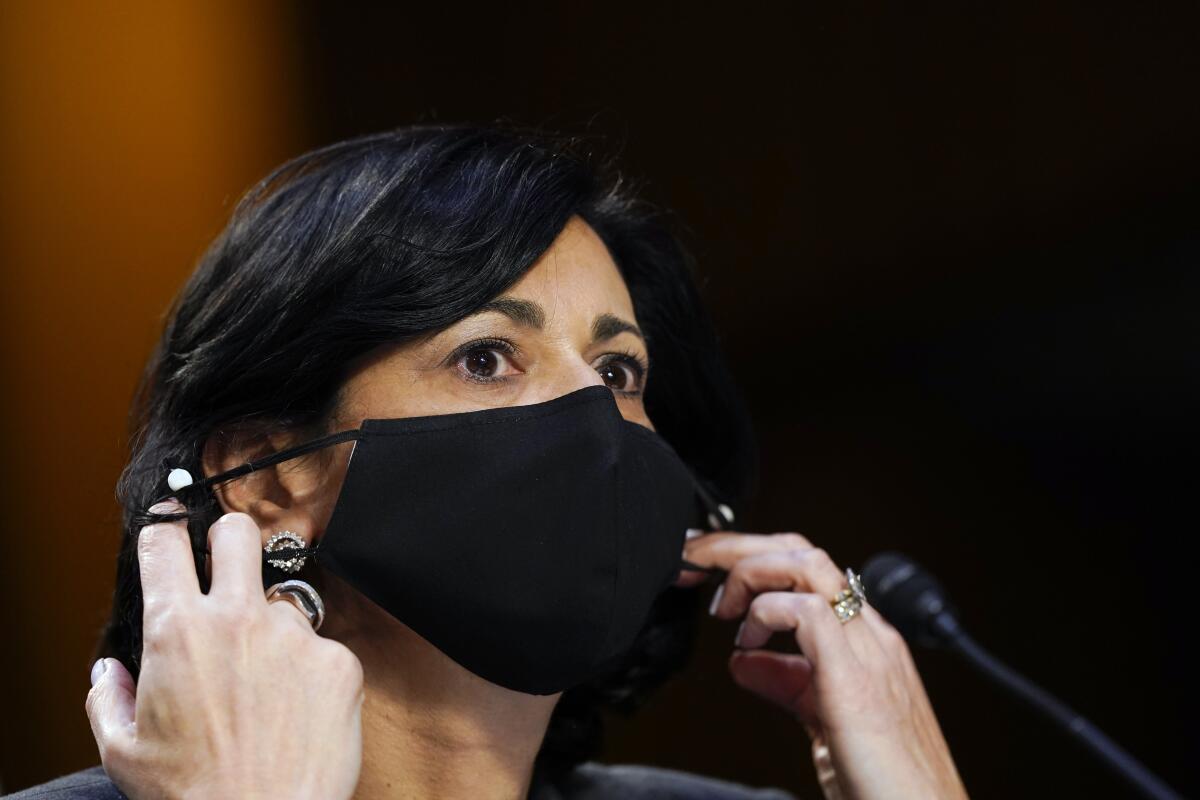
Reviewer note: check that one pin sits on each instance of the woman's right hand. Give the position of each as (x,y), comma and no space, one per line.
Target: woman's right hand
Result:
(237,697)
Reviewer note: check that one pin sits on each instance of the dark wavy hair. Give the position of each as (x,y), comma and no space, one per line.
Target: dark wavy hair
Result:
(386,237)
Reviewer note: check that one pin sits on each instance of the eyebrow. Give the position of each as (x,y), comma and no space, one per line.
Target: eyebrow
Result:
(531,315)
(522,312)
(606,326)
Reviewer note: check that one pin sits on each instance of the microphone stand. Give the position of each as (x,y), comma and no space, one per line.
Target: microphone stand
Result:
(1103,748)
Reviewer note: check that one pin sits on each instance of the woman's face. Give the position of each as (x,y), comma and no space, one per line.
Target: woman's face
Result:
(568,323)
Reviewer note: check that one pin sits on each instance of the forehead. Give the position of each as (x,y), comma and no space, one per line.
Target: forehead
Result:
(572,293)
(576,275)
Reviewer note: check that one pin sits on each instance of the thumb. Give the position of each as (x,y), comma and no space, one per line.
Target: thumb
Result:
(110,703)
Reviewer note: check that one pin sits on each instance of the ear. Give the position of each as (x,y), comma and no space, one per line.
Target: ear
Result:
(287,496)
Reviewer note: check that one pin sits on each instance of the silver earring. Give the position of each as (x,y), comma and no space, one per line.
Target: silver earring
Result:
(285,540)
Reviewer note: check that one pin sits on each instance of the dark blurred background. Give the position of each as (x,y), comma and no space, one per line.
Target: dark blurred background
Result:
(951,249)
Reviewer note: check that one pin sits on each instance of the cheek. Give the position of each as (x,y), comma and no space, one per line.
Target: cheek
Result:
(634,411)
(326,495)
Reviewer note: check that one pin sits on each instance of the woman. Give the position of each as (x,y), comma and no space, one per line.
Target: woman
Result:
(511,348)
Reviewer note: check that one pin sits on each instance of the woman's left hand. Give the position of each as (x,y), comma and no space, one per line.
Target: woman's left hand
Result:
(854,688)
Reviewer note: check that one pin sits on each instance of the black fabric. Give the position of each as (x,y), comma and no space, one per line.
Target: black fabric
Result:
(527,543)
(588,781)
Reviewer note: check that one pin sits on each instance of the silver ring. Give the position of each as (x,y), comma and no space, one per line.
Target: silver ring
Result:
(302,596)
(849,602)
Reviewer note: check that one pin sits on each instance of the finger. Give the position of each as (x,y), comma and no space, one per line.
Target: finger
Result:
(236,544)
(816,628)
(804,570)
(287,607)
(110,704)
(723,549)
(690,577)
(807,569)
(892,647)
(780,678)
(877,623)
(165,560)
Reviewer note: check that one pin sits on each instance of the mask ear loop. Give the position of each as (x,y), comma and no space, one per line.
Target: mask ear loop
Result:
(720,516)
(180,479)
(688,566)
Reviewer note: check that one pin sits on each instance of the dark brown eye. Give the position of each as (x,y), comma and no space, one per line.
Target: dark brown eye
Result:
(619,376)
(482,363)
(484,360)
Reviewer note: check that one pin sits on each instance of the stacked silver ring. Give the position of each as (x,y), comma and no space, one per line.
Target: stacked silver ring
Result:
(301,595)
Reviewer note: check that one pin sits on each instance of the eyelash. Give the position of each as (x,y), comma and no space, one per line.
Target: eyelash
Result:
(637,363)
(503,345)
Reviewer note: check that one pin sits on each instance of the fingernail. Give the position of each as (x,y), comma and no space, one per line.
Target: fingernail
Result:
(716,600)
(692,533)
(98,669)
(737,640)
(168,506)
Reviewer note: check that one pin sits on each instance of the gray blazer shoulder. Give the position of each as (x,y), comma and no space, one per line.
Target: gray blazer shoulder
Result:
(590,780)
(593,780)
(88,784)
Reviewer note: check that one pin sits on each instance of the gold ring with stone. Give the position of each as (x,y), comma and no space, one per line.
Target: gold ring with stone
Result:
(849,601)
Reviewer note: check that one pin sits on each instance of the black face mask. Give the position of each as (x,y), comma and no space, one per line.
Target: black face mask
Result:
(527,543)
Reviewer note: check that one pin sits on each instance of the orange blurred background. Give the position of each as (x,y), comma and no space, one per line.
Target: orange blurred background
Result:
(128,132)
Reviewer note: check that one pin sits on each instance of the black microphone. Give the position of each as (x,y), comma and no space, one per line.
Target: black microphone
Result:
(914,602)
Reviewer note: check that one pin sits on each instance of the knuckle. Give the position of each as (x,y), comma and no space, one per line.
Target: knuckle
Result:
(810,604)
(112,752)
(740,569)
(343,664)
(793,540)
(757,609)
(820,558)
(351,669)
(798,556)
(234,520)
(892,638)
(162,621)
